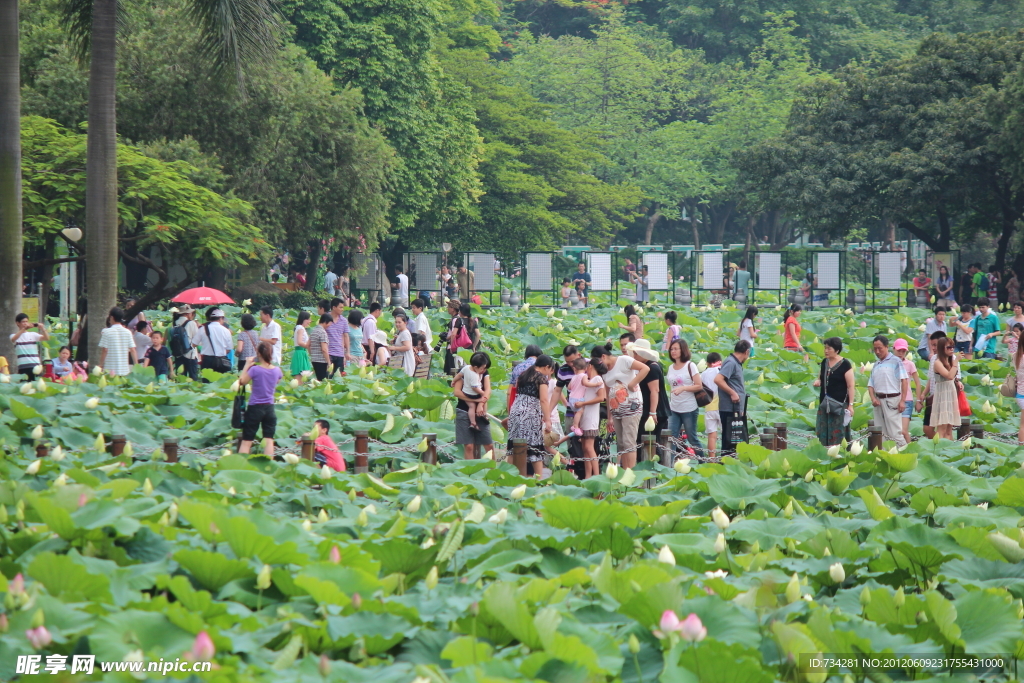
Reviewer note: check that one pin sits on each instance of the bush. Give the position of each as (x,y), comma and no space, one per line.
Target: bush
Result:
(300,299)
(261,299)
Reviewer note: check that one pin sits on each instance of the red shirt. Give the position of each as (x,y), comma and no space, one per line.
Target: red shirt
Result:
(922,282)
(325,447)
(792,341)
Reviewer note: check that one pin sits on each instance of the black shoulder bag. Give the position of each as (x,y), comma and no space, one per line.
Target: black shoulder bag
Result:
(238,409)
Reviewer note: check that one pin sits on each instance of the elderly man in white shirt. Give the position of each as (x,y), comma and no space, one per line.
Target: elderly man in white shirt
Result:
(887,386)
(214,341)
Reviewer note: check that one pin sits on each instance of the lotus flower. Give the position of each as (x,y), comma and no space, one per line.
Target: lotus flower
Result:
(848,312)
(551,313)
(27,389)
(38,637)
(793,588)
(5,379)
(809,477)
(692,629)
(720,519)
(487,456)
(322,516)
(833,451)
(325,472)
(669,624)
(17,585)
(291,458)
(863,324)
(307,525)
(720,544)
(837,573)
(414,505)
(650,424)
(682,466)
(476,513)
(431,580)
(335,555)
(97,371)
(612,471)
(525,308)
(665,555)
(40,385)
(147,487)
(922,328)
(57,453)
(967,443)
(498,517)
(33,467)
(263,578)
(702,365)
(294,384)
(519,491)
(92,403)
(988,408)
(37,432)
(788,510)
(203,648)
(856,448)
(986,380)
(247,302)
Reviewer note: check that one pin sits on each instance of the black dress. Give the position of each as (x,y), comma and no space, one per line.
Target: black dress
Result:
(654,374)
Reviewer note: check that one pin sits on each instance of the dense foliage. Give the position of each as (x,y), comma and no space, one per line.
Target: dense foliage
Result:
(466,570)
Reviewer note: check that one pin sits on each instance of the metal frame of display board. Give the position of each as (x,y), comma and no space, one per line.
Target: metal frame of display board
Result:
(537,269)
(891,279)
(829,267)
(933,259)
(661,267)
(481,261)
(699,261)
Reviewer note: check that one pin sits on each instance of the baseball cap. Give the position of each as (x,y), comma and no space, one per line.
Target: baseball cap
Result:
(901,344)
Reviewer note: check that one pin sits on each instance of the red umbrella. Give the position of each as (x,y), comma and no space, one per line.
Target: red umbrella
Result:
(203,296)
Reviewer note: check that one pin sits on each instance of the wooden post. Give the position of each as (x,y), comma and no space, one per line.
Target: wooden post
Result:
(362,449)
(171,450)
(519,451)
(781,440)
(769,431)
(430,455)
(871,423)
(964,430)
(116,447)
(665,448)
(977,431)
(648,452)
(874,438)
(308,448)
(42,450)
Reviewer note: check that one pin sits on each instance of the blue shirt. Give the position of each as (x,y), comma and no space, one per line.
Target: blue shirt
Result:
(887,375)
(986,325)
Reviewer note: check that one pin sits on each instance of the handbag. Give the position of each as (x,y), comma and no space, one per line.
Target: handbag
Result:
(461,339)
(238,409)
(1009,386)
(703,397)
(738,429)
(965,405)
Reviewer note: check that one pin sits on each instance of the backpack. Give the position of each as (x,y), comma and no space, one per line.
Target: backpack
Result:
(180,343)
(983,285)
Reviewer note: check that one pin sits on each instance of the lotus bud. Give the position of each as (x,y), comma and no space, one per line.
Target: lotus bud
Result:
(788,510)
(38,637)
(431,580)
(967,443)
(556,459)
(827,552)
(263,578)
(60,480)
(307,525)
(291,458)
(833,451)
(720,519)
(33,467)
(899,598)
(785,464)
(930,509)
(40,384)
(362,519)
(498,517)
(97,371)
(790,545)
(37,432)
(518,492)
(294,384)
(809,477)
(100,444)
(231,490)
(325,472)
(203,648)
(720,544)
(414,505)
(103,381)
(837,573)
(147,487)
(5,379)
(633,644)
(682,466)
(865,596)
(611,471)
(665,555)
(692,629)
(322,516)
(793,588)
(92,403)
(856,448)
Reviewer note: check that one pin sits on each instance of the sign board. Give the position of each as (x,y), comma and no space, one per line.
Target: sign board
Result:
(709,271)
(30,307)
(827,270)
(423,271)
(890,269)
(538,271)
(600,271)
(768,270)
(657,270)
(482,265)
(368,266)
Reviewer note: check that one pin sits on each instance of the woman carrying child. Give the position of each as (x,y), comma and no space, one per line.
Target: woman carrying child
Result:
(472,375)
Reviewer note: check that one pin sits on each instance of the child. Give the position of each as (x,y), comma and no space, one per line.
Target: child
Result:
(578,389)
(964,340)
(158,356)
(1011,339)
(419,344)
(712,419)
(326,452)
(300,356)
(566,290)
(62,366)
(900,349)
(472,387)
(673,332)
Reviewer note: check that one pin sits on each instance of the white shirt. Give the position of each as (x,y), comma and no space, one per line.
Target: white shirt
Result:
(886,375)
(409,357)
(273,331)
(403,285)
(218,343)
(423,327)
(117,340)
(683,377)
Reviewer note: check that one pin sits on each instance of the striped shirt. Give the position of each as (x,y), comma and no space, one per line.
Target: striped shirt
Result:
(117,340)
(317,335)
(335,332)
(26,349)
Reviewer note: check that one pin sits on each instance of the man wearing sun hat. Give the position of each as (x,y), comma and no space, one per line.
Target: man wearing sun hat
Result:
(652,390)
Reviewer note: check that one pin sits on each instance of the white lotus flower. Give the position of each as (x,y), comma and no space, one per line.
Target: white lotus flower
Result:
(702,365)
(282,399)
(628,477)
(682,466)
(720,519)
(57,453)
(551,313)
(809,477)
(291,458)
(33,467)
(848,312)
(611,471)
(37,370)
(247,302)
(837,573)
(325,472)
(793,588)
(833,451)
(665,555)
(37,433)
(717,574)
(414,505)
(498,517)
(5,379)
(93,403)
(986,380)
(922,328)
(307,525)
(650,424)
(988,408)
(40,384)
(639,310)
(525,308)
(856,448)
(97,371)
(519,491)
(431,580)
(720,544)
(476,513)
(967,443)
(294,384)
(27,389)
(61,480)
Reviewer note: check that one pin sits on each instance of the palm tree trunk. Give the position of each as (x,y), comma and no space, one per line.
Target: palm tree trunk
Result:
(10,174)
(101,171)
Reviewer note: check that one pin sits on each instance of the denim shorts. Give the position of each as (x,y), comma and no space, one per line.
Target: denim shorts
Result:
(909,410)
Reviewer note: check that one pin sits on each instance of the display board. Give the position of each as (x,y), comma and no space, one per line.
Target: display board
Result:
(827,270)
(368,267)
(890,269)
(657,270)
(538,271)
(599,264)
(482,265)
(768,270)
(422,270)
(709,270)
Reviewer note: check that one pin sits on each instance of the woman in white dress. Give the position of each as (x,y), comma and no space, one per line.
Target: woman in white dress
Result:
(945,408)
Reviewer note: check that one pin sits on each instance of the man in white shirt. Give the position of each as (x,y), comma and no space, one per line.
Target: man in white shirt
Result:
(214,341)
(271,332)
(401,287)
(887,387)
(117,345)
(421,324)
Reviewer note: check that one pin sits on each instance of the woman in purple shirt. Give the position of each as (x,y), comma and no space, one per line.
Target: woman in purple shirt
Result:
(260,413)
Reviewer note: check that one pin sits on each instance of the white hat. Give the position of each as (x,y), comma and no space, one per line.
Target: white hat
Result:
(642,349)
(380,337)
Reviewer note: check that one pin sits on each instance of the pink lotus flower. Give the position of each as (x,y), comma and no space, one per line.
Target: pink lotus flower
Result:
(17,585)
(38,637)
(4,624)
(203,648)
(82,499)
(335,555)
(863,324)
(690,629)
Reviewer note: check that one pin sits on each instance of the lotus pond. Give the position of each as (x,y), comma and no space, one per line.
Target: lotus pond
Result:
(466,571)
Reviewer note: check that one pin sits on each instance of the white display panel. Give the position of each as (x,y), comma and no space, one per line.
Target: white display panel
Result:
(890,269)
(657,270)
(710,270)
(367,279)
(538,271)
(827,271)
(600,272)
(483,271)
(769,271)
(423,267)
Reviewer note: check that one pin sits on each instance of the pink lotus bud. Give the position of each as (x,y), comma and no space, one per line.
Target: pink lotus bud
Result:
(4,624)
(863,324)
(17,585)
(335,555)
(82,499)
(669,621)
(357,601)
(692,628)
(325,666)
(203,649)
(38,637)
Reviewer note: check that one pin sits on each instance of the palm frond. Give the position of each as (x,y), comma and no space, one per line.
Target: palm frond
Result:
(235,33)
